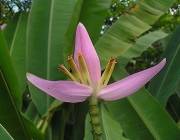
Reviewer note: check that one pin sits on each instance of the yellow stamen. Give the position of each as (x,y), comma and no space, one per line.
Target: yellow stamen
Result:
(63,69)
(107,73)
(75,70)
(84,70)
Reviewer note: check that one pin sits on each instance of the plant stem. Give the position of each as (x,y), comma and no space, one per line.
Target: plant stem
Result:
(95,120)
(47,120)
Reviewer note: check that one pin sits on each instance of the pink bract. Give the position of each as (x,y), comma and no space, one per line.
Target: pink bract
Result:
(71,91)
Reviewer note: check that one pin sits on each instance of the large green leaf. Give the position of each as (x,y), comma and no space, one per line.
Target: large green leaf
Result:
(45,39)
(15,35)
(122,34)
(4,135)
(10,99)
(141,116)
(8,73)
(165,83)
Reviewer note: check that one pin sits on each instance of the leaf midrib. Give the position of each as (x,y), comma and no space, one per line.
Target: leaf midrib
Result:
(49,47)
(15,34)
(169,67)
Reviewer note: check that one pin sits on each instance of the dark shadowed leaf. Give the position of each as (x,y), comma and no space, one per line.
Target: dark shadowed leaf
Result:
(10,99)
(163,85)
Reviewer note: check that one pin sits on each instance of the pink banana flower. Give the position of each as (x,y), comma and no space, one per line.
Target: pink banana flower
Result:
(3,26)
(86,76)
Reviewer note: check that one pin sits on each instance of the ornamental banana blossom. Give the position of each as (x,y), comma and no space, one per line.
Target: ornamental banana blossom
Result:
(86,76)
(3,26)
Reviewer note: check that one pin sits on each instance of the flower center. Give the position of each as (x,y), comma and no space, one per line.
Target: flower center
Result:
(81,73)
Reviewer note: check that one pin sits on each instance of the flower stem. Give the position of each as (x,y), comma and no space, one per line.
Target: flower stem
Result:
(95,120)
(47,120)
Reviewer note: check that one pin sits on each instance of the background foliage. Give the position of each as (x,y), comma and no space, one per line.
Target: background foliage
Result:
(39,38)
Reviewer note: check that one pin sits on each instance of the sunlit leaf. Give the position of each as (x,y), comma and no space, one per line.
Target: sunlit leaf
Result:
(4,135)
(47,26)
(122,34)
(140,45)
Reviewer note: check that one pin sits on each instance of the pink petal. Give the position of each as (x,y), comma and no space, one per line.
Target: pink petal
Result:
(3,26)
(66,91)
(84,45)
(130,84)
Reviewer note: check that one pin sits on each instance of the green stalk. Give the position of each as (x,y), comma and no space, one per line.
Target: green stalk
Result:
(47,120)
(95,120)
